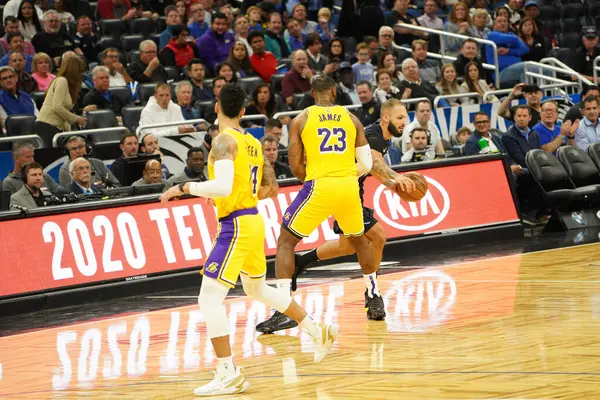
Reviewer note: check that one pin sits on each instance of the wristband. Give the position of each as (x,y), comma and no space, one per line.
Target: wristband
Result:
(181,186)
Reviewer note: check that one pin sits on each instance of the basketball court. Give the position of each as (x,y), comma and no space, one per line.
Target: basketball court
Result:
(520,326)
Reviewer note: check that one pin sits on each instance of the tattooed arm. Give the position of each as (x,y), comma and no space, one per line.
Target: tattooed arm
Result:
(388,176)
(296,148)
(269,186)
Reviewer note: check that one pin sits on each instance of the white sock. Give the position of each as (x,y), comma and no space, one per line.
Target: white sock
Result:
(284,285)
(310,326)
(226,366)
(371,283)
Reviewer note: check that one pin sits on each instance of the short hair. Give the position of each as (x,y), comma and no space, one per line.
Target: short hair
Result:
(181,84)
(193,150)
(268,138)
(74,138)
(11,19)
(83,17)
(587,88)
(522,107)
(169,9)
(274,14)
(125,136)
(29,166)
(17,147)
(161,86)
(99,68)
(311,39)
(464,129)
(589,99)
(273,123)
(550,102)
(254,34)
(8,68)
(145,43)
(468,41)
(480,11)
(390,104)
(177,30)
(72,164)
(195,61)
(108,50)
(360,83)
(370,39)
(46,14)
(362,46)
(382,72)
(419,129)
(12,53)
(232,100)
(12,35)
(408,61)
(143,139)
(322,83)
(218,15)
(384,29)
(40,56)
(481,113)
(212,127)
(219,78)
(424,101)
(418,42)
(324,11)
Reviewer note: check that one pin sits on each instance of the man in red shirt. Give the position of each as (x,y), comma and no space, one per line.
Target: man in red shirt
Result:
(263,62)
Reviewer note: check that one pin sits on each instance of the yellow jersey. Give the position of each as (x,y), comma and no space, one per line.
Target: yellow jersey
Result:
(248,172)
(329,138)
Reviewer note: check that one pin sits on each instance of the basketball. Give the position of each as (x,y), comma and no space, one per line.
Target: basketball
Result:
(421,187)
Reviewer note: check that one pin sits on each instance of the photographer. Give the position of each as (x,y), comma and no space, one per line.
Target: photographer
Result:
(533,96)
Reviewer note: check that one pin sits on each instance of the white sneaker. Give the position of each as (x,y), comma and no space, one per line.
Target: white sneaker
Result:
(222,385)
(328,335)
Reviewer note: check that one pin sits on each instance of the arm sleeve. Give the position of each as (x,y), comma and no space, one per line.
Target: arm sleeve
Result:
(221,186)
(61,90)
(364,159)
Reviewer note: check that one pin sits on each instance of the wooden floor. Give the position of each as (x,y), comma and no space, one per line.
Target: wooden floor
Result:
(519,327)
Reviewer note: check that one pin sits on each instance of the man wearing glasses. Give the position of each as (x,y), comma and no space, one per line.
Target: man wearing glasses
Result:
(76,147)
(180,50)
(386,40)
(117,74)
(52,40)
(12,100)
(551,135)
(148,68)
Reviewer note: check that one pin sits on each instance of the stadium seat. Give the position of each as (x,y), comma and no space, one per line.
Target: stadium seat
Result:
(17,125)
(208,83)
(145,91)
(132,56)
(276,82)
(123,93)
(285,61)
(109,41)
(160,24)
(574,10)
(173,74)
(570,26)
(549,13)
(131,42)
(201,105)
(594,9)
(113,27)
(594,153)
(38,98)
(250,83)
(156,38)
(131,117)
(93,6)
(570,40)
(103,119)
(579,165)
(302,100)
(141,26)
(563,54)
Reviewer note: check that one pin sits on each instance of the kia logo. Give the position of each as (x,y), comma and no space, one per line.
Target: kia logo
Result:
(424,214)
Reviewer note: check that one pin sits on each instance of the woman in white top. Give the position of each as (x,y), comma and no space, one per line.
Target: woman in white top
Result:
(385,90)
(29,23)
(473,83)
(459,22)
(448,84)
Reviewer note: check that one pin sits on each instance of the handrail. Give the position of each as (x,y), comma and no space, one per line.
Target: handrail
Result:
(563,69)
(415,100)
(596,68)
(454,96)
(442,57)
(506,91)
(10,139)
(251,117)
(165,124)
(566,67)
(86,132)
(454,35)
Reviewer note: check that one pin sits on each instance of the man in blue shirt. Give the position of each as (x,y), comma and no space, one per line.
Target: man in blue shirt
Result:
(198,26)
(551,135)
(173,19)
(16,43)
(296,38)
(588,131)
(510,51)
(12,100)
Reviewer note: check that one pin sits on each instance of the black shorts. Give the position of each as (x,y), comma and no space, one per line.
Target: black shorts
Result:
(368,218)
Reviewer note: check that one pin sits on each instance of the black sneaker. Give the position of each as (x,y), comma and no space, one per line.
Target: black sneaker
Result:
(299,268)
(277,322)
(375,307)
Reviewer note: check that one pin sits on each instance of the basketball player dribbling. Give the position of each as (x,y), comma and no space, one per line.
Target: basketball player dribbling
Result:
(239,177)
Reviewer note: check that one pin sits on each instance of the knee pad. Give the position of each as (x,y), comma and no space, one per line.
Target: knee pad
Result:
(211,298)
(257,289)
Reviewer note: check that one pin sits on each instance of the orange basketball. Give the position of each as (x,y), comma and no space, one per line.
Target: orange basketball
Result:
(421,187)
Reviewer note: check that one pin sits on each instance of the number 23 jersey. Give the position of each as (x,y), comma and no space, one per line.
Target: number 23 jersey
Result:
(329,138)
(248,173)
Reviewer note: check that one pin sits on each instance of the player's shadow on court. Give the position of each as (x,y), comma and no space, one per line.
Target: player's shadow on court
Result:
(281,345)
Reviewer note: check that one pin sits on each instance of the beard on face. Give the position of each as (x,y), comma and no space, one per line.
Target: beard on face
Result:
(393,130)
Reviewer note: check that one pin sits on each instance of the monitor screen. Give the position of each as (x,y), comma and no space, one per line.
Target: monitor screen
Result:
(4,200)
(118,192)
(148,189)
(134,167)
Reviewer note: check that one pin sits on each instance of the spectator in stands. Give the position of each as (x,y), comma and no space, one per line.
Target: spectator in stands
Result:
(269,145)
(42,65)
(197,26)
(12,100)
(16,43)
(29,22)
(422,120)
(299,14)
(26,83)
(11,9)
(66,18)
(363,69)
(99,98)
(481,23)
(183,95)
(419,144)
(519,138)
(387,62)
(81,177)
(532,10)
(346,90)
(429,70)
(160,109)
(494,144)
(460,138)
(317,61)
(209,112)
(460,23)
(179,51)
(147,68)
(263,101)
(206,146)
(129,147)
(274,128)
(533,96)
(274,39)
(254,18)
(214,46)
(118,75)
(181,6)
(448,85)
(336,52)
(294,35)
(588,131)
(227,10)
(514,9)
(196,72)
(386,44)
(369,112)
(575,112)
(76,147)
(149,145)
(240,61)
(385,89)
(503,11)
(263,62)
(535,42)
(23,153)
(194,168)
(399,15)
(473,83)
(172,19)
(30,194)
(225,70)
(152,175)
(208,10)
(87,40)
(242,30)
(11,25)
(325,28)
(55,115)
(511,49)
(413,86)
(551,135)
(468,53)
(586,54)
(429,19)
(52,40)
(299,77)
(113,9)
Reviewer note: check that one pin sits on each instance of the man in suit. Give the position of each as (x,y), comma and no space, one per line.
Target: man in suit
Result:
(76,147)
(22,153)
(30,195)
(81,176)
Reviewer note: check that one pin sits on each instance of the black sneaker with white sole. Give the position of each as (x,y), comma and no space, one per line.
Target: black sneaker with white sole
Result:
(277,322)
(375,307)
